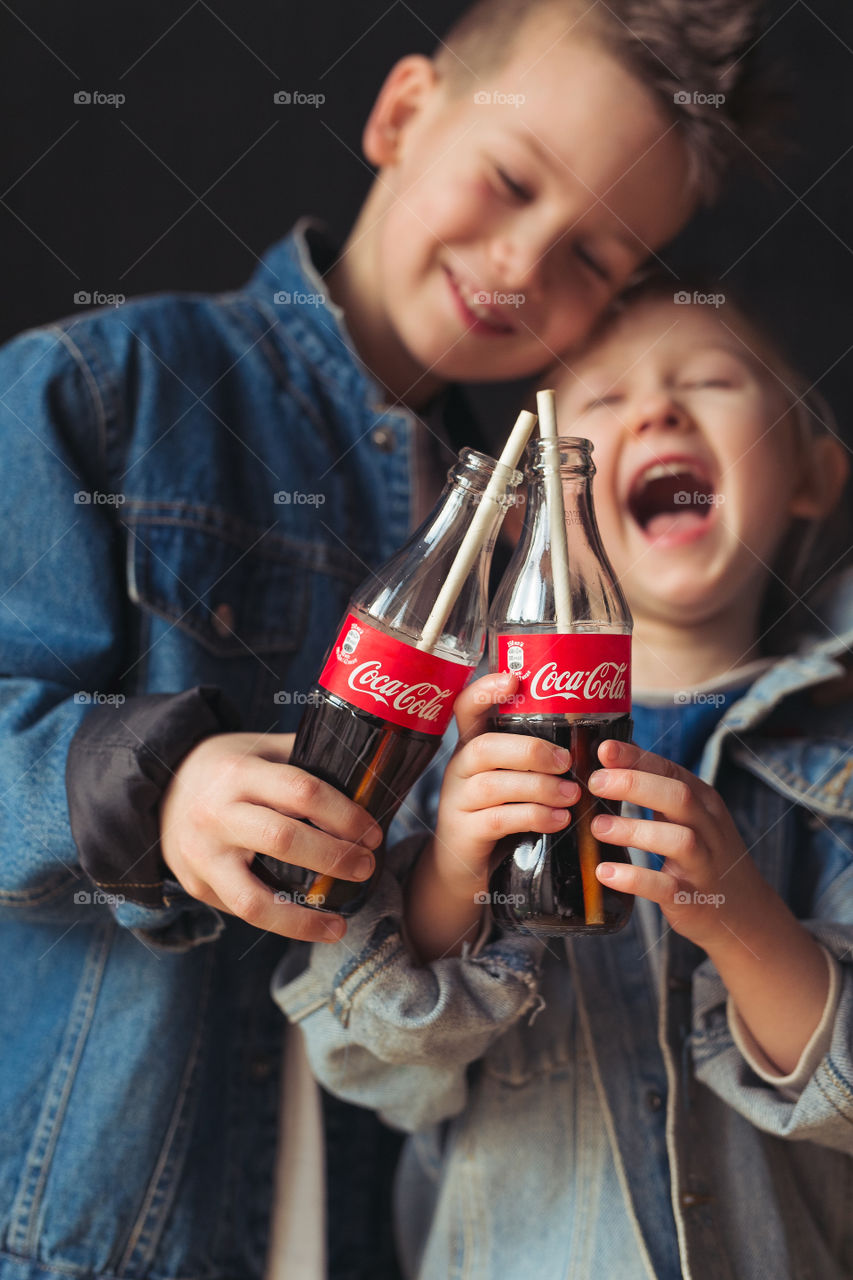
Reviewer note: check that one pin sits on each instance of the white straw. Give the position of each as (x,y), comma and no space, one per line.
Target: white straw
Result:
(545,403)
(477,532)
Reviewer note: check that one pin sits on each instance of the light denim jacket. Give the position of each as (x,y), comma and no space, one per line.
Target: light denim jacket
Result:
(584,1110)
(140,1048)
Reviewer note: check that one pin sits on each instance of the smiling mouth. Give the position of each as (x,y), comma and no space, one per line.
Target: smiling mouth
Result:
(673,501)
(479,315)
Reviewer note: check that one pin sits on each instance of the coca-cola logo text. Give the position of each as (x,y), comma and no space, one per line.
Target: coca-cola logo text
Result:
(606,681)
(426,701)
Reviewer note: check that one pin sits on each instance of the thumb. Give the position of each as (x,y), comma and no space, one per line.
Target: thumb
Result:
(476,703)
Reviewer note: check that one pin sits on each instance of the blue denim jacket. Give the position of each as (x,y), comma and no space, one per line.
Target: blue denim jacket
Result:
(584,1109)
(147,549)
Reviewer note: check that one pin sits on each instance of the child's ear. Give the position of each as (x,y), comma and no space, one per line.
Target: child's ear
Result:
(407,86)
(824,479)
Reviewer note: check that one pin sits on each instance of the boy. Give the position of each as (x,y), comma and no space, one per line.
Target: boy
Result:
(190,477)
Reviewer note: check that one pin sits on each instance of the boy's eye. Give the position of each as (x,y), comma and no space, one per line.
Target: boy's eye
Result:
(592,263)
(515,189)
(699,383)
(601,402)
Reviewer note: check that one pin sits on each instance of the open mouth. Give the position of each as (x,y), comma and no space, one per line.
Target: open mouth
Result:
(673,500)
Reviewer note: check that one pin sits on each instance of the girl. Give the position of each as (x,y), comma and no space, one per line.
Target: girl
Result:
(678,1098)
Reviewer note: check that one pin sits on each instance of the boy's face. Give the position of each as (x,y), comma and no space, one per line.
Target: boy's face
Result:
(501,228)
(696,470)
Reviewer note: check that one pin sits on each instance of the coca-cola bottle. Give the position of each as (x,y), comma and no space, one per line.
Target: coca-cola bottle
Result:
(573,659)
(385,693)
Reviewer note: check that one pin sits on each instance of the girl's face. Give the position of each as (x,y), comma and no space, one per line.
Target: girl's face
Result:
(696,469)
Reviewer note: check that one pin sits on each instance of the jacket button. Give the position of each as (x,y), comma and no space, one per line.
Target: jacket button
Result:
(384,439)
(223,620)
(654,1101)
(689,1199)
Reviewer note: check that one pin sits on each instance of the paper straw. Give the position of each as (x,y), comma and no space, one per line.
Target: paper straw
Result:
(545,403)
(476,533)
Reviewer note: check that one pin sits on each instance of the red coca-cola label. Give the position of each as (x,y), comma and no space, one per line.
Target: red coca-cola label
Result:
(579,674)
(392,679)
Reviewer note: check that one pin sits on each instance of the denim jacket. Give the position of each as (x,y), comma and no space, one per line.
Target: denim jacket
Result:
(186,484)
(583,1108)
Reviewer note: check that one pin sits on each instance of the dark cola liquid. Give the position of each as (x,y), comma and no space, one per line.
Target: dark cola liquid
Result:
(538,884)
(370,761)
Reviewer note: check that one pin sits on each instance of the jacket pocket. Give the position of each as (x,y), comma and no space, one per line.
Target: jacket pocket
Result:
(220,603)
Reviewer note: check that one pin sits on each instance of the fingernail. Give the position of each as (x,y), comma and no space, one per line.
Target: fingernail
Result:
(505,679)
(363,867)
(602,825)
(560,815)
(569,789)
(606,871)
(562,757)
(598,781)
(335,929)
(373,838)
(614,748)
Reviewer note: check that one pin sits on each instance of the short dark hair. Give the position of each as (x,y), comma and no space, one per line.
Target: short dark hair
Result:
(698,57)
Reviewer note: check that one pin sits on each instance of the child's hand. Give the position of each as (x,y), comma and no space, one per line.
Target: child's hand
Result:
(496,784)
(235,795)
(708,888)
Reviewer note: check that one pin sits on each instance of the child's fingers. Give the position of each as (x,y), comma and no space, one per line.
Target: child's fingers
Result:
(266,831)
(667,839)
(245,896)
(670,796)
(657,886)
(510,751)
(513,819)
(504,786)
(477,702)
(294,792)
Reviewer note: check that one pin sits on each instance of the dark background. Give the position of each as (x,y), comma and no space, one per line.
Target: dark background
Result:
(183,185)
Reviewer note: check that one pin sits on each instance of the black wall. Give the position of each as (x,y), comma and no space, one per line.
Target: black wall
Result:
(198,170)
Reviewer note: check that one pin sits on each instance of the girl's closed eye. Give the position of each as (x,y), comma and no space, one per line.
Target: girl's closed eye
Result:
(602,402)
(512,186)
(592,263)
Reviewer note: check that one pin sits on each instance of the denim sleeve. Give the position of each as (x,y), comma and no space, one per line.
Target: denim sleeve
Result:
(385,1032)
(822,1111)
(63,623)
